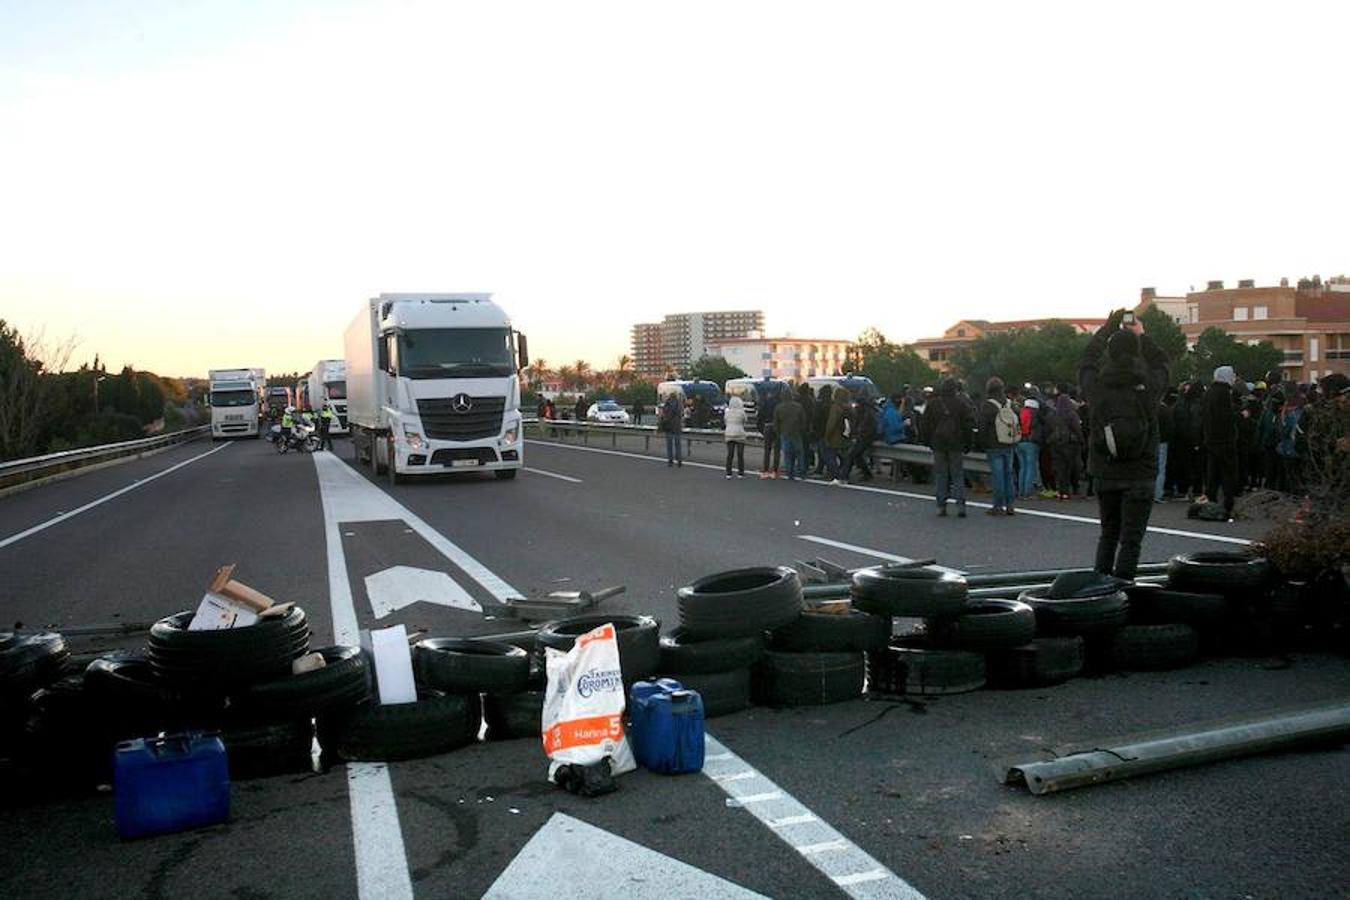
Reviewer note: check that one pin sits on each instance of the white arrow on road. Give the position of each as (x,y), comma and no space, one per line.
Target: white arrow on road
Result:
(568,858)
(400,586)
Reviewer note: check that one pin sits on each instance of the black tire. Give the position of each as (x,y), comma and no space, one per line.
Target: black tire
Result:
(344,681)
(470,666)
(506,474)
(1097,614)
(722,692)
(807,679)
(1219,572)
(905,591)
(137,702)
(29,662)
(1040,662)
(264,750)
(638,637)
(848,632)
(512,716)
(372,732)
(67,741)
(740,603)
(1154,647)
(987,624)
(231,657)
(682,656)
(1154,604)
(909,670)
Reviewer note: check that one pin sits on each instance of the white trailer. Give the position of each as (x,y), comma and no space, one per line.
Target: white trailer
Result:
(328,386)
(433,385)
(236,402)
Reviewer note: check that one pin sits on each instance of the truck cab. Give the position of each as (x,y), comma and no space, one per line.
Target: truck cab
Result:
(328,387)
(433,385)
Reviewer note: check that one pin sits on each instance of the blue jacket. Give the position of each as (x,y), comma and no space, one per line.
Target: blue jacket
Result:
(893,428)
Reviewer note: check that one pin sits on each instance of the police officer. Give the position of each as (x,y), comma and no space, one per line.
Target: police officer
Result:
(287,423)
(325,423)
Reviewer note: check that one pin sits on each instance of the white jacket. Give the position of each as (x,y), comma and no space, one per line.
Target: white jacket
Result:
(735,420)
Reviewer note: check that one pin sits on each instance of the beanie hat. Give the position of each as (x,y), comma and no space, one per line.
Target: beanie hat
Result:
(1122,345)
(1226,374)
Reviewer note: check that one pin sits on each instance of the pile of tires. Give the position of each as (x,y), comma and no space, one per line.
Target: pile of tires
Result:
(28,663)
(718,669)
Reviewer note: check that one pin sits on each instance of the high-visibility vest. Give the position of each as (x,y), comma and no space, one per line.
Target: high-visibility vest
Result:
(327,412)
(287,421)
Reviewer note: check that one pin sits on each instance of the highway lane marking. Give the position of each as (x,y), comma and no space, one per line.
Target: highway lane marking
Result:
(57,520)
(868,551)
(567,478)
(871,489)
(825,849)
(377,838)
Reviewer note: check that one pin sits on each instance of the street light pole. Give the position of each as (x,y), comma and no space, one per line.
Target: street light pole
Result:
(96,381)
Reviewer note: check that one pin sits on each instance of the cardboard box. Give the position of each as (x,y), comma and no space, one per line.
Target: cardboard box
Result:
(233,604)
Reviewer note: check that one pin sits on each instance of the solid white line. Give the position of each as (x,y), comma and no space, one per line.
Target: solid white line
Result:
(868,551)
(377,838)
(568,478)
(891,492)
(15,538)
(734,776)
(779,809)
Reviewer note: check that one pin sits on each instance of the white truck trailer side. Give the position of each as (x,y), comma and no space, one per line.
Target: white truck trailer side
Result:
(433,385)
(236,401)
(328,385)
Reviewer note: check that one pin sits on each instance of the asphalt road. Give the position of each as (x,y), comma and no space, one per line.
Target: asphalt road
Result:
(909,783)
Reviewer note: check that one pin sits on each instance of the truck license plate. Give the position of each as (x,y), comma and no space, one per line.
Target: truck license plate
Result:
(459,463)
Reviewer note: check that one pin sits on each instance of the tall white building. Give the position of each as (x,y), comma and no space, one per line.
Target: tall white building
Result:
(674,343)
(795,359)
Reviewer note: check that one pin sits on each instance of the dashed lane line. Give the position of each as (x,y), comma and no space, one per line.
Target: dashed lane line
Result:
(567,478)
(57,520)
(872,489)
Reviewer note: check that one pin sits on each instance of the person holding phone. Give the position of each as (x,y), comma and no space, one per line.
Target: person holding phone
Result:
(1123,373)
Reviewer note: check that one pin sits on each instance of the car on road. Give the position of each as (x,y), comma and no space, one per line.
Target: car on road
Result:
(607,411)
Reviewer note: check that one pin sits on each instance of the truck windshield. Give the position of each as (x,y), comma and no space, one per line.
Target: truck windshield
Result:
(233,398)
(455,353)
(337,390)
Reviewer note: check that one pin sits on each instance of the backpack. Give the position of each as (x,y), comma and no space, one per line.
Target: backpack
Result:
(1006,427)
(1120,424)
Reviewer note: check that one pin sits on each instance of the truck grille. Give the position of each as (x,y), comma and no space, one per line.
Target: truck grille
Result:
(442,422)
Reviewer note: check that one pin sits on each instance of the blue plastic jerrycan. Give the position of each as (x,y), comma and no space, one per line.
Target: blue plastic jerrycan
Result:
(667,726)
(173,783)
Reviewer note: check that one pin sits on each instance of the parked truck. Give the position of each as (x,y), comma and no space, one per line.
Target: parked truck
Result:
(433,385)
(328,386)
(236,402)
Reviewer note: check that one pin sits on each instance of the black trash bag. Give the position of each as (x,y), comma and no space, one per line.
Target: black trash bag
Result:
(587,781)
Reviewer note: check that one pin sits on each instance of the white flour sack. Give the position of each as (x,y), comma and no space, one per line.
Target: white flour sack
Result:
(583,709)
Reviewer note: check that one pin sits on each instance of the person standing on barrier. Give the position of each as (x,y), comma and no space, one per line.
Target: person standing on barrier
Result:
(735,435)
(671,423)
(948,422)
(789,421)
(768,402)
(1123,374)
(999,433)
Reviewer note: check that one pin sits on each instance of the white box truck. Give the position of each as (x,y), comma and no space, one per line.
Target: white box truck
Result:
(236,402)
(328,385)
(433,385)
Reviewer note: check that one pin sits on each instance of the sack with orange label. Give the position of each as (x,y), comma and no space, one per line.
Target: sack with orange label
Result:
(583,714)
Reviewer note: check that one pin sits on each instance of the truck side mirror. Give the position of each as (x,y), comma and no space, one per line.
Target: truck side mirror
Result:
(522,351)
(383,354)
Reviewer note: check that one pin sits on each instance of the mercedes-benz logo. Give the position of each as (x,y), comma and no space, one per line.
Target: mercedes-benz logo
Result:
(461,403)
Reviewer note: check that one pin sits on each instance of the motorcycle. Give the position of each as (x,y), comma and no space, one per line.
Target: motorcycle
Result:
(304,438)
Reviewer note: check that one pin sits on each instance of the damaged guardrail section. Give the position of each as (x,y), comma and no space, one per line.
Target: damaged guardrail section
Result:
(1190,745)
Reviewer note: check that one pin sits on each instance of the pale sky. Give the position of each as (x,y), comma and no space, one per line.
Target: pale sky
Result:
(187,185)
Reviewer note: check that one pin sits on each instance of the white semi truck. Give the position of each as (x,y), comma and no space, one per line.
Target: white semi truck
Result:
(236,402)
(328,385)
(433,385)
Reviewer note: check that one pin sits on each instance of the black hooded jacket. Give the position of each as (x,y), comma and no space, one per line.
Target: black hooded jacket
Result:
(1220,422)
(1123,387)
(948,420)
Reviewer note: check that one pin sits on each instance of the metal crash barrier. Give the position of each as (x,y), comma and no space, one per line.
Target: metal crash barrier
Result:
(36,468)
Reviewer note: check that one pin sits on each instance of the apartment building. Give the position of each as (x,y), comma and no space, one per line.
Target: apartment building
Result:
(674,343)
(795,359)
(1309,322)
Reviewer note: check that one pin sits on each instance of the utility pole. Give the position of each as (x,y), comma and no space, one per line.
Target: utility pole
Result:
(96,381)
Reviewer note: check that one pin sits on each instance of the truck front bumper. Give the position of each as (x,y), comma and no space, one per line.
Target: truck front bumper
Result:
(441,457)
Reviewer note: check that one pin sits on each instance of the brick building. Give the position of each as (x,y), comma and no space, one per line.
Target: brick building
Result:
(1309,323)
(938,350)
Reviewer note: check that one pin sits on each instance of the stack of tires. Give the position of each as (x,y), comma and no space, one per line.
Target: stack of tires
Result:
(1089,623)
(28,663)
(942,657)
(1225,599)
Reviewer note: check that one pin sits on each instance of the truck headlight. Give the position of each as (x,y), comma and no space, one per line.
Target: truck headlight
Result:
(413,439)
(509,437)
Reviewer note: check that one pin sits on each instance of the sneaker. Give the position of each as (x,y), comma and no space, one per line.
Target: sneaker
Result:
(942,510)
(835,481)
(1047,494)
(728,476)
(1009,511)
(763,475)
(741,475)
(679,465)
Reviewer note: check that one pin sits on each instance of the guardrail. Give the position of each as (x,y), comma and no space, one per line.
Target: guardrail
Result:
(34,468)
(915,454)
